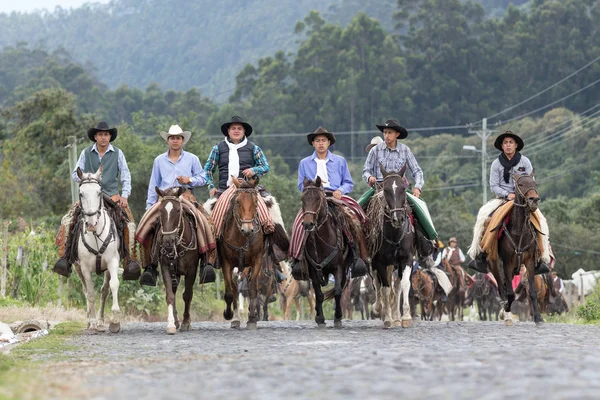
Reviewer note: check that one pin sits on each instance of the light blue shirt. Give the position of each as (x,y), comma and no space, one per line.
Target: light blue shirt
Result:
(121,165)
(337,172)
(165,173)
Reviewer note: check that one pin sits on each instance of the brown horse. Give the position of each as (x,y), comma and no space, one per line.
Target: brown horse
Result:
(242,245)
(425,291)
(541,289)
(177,248)
(326,251)
(485,293)
(392,243)
(456,297)
(292,290)
(518,246)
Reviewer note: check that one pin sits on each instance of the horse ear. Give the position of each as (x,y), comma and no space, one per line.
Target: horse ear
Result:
(382,168)
(403,170)
(306,182)
(79,173)
(254,180)
(235,181)
(180,190)
(159,192)
(318,181)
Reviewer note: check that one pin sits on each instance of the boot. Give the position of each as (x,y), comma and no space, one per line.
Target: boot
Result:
(62,267)
(297,272)
(131,270)
(541,268)
(480,263)
(359,268)
(279,276)
(207,274)
(150,275)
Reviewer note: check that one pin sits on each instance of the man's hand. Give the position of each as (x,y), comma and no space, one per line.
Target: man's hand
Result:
(123,202)
(417,192)
(248,173)
(184,180)
(511,196)
(212,192)
(337,194)
(372,180)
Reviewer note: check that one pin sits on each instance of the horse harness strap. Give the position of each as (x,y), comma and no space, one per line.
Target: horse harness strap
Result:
(98,253)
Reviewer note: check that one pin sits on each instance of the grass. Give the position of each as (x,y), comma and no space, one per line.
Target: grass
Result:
(22,370)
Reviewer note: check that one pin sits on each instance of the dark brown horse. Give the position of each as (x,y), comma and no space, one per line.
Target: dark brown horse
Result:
(485,293)
(392,243)
(426,293)
(242,245)
(518,246)
(456,297)
(326,251)
(177,248)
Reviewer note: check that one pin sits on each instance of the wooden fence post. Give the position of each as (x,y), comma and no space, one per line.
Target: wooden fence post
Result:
(4,258)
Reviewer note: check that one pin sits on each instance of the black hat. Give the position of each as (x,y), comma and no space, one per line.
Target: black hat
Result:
(102,127)
(321,131)
(236,120)
(393,124)
(500,139)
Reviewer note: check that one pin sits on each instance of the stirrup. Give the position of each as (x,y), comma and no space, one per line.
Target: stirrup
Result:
(297,273)
(541,268)
(132,271)
(149,276)
(62,267)
(207,274)
(479,264)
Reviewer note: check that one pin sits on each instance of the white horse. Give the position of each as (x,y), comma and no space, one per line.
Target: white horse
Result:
(98,250)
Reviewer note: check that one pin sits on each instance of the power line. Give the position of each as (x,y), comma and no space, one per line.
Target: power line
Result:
(545,90)
(581,114)
(553,136)
(573,249)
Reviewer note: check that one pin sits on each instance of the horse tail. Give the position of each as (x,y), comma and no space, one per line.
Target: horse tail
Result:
(330,294)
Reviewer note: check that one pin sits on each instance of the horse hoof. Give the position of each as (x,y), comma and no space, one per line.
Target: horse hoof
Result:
(235,324)
(501,316)
(321,326)
(171,330)
(186,327)
(337,324)
(406,323)
(508,322)
(227,315)
(177,324)
(397,323)
(251,326)
(387,324)
(114,327)
(539,323)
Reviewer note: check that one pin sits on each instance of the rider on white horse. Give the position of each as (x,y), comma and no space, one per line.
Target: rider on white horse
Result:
(114,166)
(509,162)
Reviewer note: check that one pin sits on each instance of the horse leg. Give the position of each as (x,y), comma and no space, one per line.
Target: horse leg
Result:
(319,297)
(338,315)
(510,294)
(229,296)
(104,292)
(378,305)
(188,294)
(406,317)
(537,318)
(253,293)
(298,308)
(396,303)
(90,296)
(115,319)
(169,298)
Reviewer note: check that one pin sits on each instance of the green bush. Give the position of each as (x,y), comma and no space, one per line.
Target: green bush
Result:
(591,310)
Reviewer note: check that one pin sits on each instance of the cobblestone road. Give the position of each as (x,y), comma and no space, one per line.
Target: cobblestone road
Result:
(483,360)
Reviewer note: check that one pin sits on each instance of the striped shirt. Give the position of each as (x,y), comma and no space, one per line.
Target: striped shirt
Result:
(392,160)
(499,187)
(261,166)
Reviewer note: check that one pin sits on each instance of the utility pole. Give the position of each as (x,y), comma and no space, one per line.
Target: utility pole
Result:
(72,149)
(484,134)
(4,258)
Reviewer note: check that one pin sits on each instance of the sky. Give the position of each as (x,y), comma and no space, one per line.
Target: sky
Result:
(31,5)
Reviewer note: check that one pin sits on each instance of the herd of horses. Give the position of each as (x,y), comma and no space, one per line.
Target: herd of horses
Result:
(392,288)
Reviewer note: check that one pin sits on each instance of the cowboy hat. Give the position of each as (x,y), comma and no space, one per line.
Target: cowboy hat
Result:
(236,120)
(500,139)
(102,127)
(175,130)
(374,142)
(393,124)
(321,131)
(452,239)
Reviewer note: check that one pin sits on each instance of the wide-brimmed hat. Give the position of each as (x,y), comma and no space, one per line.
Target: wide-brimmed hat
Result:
(102,127)
(500,139)
(175,130)
(452,239)
(320,131)
(236,120)
(395,125)
(374,142)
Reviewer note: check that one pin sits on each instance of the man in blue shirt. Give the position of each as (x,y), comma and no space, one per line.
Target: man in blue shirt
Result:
(114,171)
(334,173)
(174,168)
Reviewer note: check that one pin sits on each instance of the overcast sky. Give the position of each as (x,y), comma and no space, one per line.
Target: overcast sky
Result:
(30,5)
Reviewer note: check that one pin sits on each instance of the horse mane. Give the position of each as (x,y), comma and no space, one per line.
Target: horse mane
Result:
(376,217)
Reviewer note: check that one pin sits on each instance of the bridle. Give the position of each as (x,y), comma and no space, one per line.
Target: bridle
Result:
(99,210)
(319,208)
(405,228)
(236,212)
(521,194)
(172,254)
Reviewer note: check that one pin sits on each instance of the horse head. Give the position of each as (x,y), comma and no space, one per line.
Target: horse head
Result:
(313,198)
(394,192)
(526,191)
(90,197)
(171,218)
(245,209)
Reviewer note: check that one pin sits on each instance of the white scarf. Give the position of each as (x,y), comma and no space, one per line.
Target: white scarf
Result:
(233,168)
(322,171)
